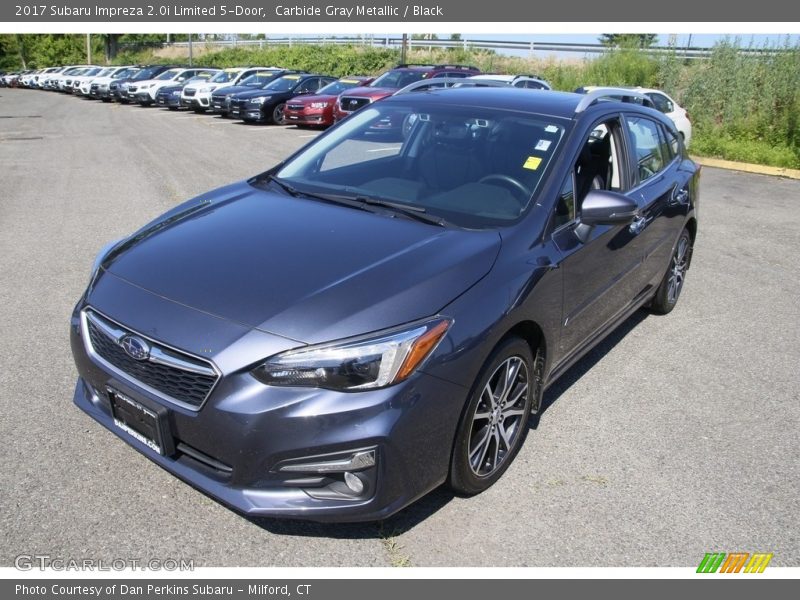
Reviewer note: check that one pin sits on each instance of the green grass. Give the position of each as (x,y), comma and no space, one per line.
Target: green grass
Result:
(742,150)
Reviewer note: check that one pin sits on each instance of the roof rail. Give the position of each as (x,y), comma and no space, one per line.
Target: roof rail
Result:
(433,82)
(611,93)
(449,66)
(469,82)
(404,65)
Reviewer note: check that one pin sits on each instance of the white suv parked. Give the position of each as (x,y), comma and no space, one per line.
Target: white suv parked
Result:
(146,90)
(197,96)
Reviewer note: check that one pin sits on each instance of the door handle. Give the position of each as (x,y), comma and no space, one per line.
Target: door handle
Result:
(638,224)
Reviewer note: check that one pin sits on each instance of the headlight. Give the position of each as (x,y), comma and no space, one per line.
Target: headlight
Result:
(259,100)
(319,104)
(146,86)
(375,362)
(176,93)
(208,88)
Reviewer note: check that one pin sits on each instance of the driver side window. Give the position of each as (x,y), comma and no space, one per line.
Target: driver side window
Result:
(598,167)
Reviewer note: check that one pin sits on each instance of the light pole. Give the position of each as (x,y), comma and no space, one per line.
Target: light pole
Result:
(88,48)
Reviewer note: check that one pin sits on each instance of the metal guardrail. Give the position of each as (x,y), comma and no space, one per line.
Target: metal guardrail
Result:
(691,52)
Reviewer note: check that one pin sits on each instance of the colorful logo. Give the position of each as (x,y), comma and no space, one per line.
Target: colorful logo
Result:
(735,562)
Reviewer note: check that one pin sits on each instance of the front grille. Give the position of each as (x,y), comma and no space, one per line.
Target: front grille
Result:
(95,87)
(351,104)
(190,92)
(295,106)
(132,89)
(179,384)
(238,105)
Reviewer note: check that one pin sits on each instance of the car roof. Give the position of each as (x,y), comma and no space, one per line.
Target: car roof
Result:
(545,102)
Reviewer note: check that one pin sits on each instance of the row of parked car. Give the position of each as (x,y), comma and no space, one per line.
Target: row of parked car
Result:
(279,95)
(262,94)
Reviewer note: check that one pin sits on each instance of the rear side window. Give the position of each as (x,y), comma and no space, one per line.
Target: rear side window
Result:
(673,143)
(662,103)
(647,145)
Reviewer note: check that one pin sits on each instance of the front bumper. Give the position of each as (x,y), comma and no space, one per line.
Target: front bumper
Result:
(311,117)
(196,101)
(144,97)
(248,429)
(168,100)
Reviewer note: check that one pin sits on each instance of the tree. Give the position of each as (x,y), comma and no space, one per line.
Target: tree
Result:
(628,40)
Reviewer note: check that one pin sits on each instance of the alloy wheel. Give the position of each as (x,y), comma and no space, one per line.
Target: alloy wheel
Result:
(499,417)
(680,262)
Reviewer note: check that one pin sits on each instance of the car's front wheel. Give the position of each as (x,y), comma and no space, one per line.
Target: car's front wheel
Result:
(671,285)
(277,114)
(495,422)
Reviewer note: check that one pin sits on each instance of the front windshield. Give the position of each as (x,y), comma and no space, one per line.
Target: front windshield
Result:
(145,73)
(398,79)
(337,87)
(124,74)
(283,84)
(168,74)
(224,76)
(104,72)
(475,167)
(258,79)
(201,78)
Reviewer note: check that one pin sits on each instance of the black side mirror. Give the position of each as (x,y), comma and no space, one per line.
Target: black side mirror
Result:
(601,207)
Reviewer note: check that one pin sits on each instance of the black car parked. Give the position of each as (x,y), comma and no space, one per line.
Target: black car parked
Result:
(221,98)
(267,104)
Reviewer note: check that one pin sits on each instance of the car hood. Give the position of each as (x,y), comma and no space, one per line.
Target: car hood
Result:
(235,89)
(258,93)
(369,92)
(158,82)
(310,99)
(301,268)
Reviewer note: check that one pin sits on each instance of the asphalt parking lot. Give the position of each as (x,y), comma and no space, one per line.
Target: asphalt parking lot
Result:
(676,437)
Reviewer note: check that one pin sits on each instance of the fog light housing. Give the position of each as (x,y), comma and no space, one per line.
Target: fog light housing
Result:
(347,476)
(353,482)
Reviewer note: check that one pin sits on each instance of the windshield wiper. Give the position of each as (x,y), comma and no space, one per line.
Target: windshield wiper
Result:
(418,213)
(283,185)
(331,198)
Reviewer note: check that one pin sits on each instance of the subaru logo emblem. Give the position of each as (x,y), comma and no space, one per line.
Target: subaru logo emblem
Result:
(135,347)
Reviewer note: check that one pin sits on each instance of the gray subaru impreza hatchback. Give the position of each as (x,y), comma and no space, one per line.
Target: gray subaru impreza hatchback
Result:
(380,313)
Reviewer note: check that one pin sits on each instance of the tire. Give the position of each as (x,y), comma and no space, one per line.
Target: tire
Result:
(669,290)
(481,452)
(277,114)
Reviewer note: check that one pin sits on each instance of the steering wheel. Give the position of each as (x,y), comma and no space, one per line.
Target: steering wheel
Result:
(503,178)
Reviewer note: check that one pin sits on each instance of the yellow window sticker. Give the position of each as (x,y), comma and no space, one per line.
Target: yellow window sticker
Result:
(348,80)
(532,163)
(291,76)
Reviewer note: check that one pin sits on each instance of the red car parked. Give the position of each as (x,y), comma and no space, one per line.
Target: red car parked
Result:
(317,110)
(391,81)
